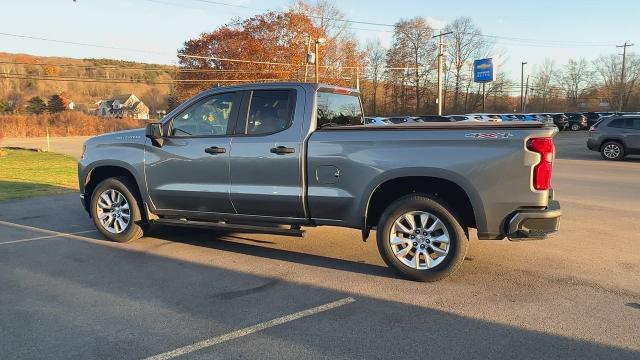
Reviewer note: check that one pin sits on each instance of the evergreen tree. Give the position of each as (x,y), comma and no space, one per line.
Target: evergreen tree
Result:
(6,107)
(36,105)
(172,99)
(56,104)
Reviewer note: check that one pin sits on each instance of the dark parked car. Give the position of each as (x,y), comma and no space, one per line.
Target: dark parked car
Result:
(434,118)
(577,121)
(561,121)
(615,137)
(464,117)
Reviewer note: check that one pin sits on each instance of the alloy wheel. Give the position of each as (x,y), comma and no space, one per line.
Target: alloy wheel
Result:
(114,213)
(611,151)
(420,240)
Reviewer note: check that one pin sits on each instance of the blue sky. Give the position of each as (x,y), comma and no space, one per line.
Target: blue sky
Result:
(566,28)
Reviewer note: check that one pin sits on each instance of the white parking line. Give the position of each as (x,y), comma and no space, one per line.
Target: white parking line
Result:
(47,237)
(249,330)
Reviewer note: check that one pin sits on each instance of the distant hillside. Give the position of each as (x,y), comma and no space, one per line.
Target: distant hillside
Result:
(84,81)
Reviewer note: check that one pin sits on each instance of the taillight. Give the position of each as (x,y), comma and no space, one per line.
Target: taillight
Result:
(542,170)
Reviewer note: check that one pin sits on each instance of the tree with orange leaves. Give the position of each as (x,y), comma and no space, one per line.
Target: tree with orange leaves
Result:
(267,47)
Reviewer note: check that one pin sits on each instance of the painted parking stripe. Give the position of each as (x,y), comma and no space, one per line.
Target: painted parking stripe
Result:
(249,330)
(47,237)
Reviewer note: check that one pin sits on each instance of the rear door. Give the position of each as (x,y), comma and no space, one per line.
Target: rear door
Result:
(267,154)
(633,134)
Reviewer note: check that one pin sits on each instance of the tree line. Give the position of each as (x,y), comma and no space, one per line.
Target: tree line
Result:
(401,78)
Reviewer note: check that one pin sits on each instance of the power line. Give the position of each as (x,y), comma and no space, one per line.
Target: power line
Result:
(129,81)
(539,42)
(79,43)
(87,66)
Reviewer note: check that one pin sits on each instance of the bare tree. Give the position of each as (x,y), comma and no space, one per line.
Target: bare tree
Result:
(338,52)
(543,79)
(465,44)
(575,80)
(608,68)
(413,44)
(376,55)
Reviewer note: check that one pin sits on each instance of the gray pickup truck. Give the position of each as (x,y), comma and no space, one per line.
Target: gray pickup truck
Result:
(273,158)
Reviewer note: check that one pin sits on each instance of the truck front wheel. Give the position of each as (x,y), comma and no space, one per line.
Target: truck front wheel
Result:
(419,237)
(115,210)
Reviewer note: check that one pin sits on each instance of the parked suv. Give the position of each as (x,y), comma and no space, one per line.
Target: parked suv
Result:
(615,137)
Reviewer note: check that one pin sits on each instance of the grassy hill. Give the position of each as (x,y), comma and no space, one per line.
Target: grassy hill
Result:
(84,81)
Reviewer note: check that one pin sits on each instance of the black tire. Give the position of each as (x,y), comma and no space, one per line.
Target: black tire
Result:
(134,229)
(608,151)
(458,241)
(575,127)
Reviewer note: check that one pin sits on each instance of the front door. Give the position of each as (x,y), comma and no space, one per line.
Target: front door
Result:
(190,171)
(266,154)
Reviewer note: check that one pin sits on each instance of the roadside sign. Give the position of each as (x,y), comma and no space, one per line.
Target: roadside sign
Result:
(483,70)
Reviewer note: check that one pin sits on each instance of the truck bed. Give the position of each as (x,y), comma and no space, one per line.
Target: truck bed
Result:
(479,125)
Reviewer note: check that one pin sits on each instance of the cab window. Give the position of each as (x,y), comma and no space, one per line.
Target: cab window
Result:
(338,110)
(208,117)
(270,111)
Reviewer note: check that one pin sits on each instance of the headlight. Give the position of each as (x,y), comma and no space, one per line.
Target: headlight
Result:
(84,150)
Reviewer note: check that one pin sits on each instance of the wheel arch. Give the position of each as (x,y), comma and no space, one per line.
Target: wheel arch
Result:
(619,140)
(104,170)
(452,188)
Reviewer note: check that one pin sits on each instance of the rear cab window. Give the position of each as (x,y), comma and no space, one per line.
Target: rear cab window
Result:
(338,107)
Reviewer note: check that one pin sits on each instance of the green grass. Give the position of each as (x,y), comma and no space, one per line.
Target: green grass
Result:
(25,173)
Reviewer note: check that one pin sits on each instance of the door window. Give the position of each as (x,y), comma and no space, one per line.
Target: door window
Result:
(208,117)
(271,111)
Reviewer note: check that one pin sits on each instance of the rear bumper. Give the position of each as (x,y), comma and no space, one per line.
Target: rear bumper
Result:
(535,223)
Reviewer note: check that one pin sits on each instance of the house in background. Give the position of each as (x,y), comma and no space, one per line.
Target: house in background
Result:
(120,106)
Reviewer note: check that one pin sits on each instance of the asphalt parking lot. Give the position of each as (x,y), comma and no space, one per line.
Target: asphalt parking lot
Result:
(196,294)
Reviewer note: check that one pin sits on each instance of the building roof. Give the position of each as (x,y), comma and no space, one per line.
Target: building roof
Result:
(120,98)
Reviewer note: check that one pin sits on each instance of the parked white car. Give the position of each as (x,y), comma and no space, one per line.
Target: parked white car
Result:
(487,117)
(376,121)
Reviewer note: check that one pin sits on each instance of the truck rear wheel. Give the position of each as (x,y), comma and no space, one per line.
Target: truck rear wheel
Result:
(420,238)
(115,210)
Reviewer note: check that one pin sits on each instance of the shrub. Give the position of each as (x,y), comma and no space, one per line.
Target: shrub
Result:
(68,123)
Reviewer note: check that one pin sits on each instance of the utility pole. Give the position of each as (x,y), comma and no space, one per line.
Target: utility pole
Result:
(526,95)
(357,78)
(318,42)
(522,88)
(440,68)
(624,62)
(306,64)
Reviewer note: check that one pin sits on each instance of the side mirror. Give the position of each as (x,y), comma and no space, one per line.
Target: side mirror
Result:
(154,132)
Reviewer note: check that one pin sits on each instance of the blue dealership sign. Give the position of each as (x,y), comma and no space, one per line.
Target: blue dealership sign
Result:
(483,70)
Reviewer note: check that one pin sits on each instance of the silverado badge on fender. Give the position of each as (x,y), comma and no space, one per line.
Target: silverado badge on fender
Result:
(494,135)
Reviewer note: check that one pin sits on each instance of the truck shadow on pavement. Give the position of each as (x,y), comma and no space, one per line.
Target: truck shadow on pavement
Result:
(70,298)
(225,241)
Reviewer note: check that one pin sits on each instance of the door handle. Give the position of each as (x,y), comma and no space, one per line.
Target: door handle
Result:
(215,150)
(280,150)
